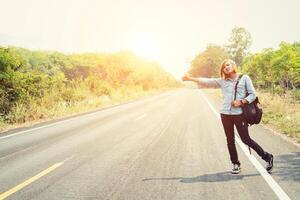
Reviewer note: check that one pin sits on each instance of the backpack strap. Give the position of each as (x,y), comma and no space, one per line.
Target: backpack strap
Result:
(235,88)
(237,82)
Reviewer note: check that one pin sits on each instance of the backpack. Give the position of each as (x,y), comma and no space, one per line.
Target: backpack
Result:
(252,113)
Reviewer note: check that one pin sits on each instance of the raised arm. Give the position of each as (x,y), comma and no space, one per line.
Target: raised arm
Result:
(204,82)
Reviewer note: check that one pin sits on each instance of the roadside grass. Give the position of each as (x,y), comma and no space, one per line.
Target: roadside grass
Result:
(280,113)
(51,107)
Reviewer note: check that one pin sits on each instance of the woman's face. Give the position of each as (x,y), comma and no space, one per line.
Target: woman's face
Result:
(228,68)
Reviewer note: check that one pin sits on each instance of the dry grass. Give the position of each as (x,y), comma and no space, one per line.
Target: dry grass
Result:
(48,109)
(282,113)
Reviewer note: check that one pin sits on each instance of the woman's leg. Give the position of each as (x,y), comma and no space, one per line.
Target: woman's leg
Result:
(242,128)
(228,124)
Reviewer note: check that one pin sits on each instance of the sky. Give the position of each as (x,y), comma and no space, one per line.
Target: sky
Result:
(171,32)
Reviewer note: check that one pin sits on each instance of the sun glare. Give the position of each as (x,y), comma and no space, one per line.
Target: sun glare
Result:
(145,47)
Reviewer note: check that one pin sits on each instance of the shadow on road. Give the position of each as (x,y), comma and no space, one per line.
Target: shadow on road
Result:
(287,166)
(217,177)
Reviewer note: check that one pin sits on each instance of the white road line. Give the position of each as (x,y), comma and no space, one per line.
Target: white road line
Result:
(53,124)
(50,125)
(140,117)
(268,178)
(33,129)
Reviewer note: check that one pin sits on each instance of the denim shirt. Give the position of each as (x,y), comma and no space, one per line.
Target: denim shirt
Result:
(227,86)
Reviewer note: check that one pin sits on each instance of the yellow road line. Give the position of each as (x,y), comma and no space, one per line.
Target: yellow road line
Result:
(29,181)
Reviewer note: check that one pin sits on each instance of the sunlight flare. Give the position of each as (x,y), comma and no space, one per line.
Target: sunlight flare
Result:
(146,47)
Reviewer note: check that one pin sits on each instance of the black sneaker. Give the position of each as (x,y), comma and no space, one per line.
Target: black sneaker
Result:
(236,168)
(270,163)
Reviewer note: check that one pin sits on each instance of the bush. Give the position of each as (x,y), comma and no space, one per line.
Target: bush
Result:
(37,84)
(98,87)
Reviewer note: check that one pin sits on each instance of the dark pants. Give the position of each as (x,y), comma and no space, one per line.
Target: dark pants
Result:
(241,125)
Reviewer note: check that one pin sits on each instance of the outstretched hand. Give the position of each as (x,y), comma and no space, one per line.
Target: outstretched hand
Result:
(186,77)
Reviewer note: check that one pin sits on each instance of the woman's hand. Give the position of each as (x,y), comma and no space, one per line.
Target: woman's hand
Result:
(186,77)
(236,103)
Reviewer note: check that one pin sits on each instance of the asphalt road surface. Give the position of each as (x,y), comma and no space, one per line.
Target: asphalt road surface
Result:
(169,146)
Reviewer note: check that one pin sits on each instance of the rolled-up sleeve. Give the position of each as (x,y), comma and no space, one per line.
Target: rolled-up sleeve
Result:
(250,89)
(209,82)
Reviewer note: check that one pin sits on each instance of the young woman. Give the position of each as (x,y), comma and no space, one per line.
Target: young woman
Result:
(231,111)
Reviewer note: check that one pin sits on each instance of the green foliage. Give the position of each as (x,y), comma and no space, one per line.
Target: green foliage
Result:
(19,87)
(278,70)
(239,42)
(9,59)
(32,82)
(99,87)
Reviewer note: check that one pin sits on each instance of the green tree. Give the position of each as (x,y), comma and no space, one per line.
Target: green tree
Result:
(238,44)
(286,64)
(278,70)
(9,60)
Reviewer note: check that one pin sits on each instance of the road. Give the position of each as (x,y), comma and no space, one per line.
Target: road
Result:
(169,146)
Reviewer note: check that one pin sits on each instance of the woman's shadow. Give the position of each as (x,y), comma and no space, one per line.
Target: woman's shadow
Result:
(216,177)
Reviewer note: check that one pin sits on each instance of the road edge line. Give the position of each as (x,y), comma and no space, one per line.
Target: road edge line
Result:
(76,116)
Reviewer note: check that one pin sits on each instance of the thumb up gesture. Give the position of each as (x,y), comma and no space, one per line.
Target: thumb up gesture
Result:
(186,77)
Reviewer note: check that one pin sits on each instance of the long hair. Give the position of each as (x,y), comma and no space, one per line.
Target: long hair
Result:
(222,74)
